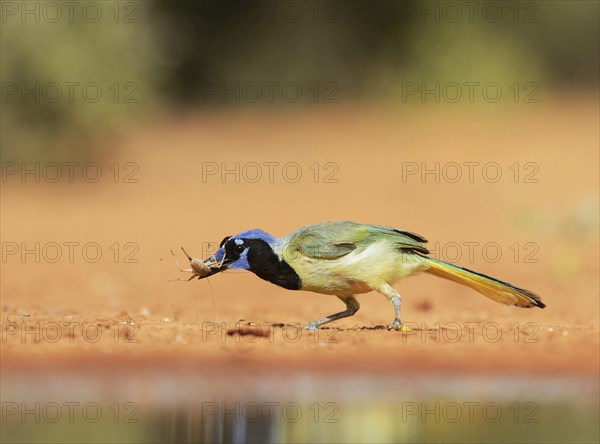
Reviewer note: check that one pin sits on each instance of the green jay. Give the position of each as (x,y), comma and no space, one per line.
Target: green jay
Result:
(343,259)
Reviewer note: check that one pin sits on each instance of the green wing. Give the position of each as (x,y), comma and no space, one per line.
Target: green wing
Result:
(332,240)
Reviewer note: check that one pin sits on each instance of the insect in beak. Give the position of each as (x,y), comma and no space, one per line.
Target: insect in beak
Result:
(198,268)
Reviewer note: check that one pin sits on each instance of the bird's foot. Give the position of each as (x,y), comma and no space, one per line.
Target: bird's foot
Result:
(397,325)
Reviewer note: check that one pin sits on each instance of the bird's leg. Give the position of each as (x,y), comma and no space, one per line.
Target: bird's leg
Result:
(352,307)
(393,296)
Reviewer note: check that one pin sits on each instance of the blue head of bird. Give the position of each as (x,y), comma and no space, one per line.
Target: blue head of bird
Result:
(234,250)
(256,251)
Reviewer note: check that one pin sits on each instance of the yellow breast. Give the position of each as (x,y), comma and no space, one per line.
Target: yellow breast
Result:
(358,272)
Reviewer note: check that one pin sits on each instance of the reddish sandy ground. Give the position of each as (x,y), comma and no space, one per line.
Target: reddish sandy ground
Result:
(52,312)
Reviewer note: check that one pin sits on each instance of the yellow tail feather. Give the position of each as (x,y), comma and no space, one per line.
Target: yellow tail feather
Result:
(493,288)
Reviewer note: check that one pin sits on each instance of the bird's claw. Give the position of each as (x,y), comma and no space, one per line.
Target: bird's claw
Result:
(397,325)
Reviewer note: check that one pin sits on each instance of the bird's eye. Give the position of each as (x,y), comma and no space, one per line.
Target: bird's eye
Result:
(239,249)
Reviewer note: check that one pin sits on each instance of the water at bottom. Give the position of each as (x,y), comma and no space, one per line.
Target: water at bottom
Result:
(302,408)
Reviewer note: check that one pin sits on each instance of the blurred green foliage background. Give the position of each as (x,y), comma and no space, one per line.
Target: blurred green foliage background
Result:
(152,58)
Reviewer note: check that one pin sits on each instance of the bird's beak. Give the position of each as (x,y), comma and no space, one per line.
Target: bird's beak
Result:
(214,265)
(210,267)
(201,269)
(211,262)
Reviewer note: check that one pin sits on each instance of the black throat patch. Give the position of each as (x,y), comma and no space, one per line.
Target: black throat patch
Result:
(266,265)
